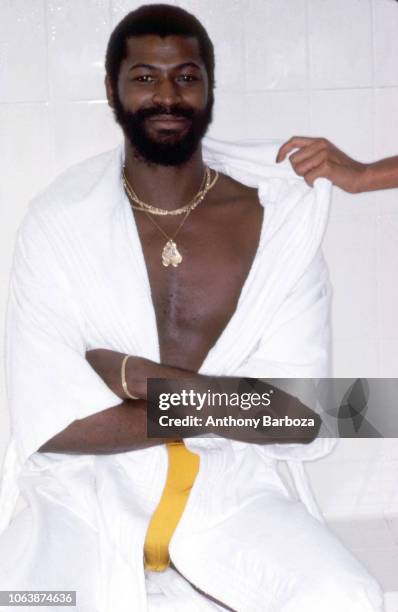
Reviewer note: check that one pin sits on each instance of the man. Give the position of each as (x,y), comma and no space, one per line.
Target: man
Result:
(110,287)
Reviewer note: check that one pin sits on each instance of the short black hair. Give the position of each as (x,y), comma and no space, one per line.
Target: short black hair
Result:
(162,20)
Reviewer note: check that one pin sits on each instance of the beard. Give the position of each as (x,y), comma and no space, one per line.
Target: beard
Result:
(170,148)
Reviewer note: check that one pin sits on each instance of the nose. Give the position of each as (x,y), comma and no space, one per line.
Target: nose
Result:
(166,93)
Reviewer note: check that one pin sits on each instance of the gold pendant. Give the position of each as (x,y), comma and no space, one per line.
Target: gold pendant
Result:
(171,255)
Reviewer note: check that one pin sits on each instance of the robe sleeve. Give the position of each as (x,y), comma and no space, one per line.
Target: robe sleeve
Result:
(49,382)
(297,341)
(297,345)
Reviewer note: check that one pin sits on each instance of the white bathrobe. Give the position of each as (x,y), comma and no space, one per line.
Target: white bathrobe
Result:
(79,282)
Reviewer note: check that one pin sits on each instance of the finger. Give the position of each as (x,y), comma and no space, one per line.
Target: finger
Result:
(293,143)
(322,171)
(309,151)
(314,161)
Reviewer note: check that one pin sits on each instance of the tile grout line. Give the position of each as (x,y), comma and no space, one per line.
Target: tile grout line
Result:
(308,66)
(50,105)
(379,224)
(227,90)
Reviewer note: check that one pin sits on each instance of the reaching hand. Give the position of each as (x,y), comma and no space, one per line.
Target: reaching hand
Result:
(317,157)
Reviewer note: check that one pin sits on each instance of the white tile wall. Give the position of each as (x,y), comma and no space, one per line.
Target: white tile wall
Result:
(350,247)
(387,201)
(385,42)
(23,51)
(346,117)
(361,204)
(220,18)
(120,8)
(385,123)
(300,66)
(82,129)
(389,358)
(25,153)
(388,277)
(276,114)
(229,117)
(356,357)
(340,35)
(276,44)
(78,32)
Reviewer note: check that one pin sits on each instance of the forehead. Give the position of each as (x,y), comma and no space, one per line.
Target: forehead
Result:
(159,51)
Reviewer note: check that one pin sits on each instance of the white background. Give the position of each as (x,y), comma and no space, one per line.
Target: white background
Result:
(284,67)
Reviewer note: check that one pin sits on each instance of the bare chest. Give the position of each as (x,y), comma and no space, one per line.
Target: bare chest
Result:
(194,301)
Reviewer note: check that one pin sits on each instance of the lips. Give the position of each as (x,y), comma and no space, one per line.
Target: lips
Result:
(168,121)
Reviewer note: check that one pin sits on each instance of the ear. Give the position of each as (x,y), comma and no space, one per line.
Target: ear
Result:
(109,91)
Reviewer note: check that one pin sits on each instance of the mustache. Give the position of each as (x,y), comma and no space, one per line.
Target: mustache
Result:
(174,111)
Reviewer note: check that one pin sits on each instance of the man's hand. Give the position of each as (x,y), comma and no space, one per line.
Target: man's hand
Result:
(317,157)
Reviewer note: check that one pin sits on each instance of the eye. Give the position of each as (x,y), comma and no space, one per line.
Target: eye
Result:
(187,78)
(144,78)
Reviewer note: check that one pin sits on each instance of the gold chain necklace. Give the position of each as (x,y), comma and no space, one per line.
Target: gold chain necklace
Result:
(206,184)
(170,252)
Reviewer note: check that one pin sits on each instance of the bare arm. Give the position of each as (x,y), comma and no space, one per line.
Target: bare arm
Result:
(138,369)
(382,174)
(123,427)
(120,428)
(317,157)
(115,430)
(108,365)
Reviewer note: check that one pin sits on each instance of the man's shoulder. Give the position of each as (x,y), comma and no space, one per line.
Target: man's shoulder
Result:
(73,184)
(253,163)
(233,190)
(286,196)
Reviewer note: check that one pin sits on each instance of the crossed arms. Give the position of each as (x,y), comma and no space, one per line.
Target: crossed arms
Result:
(123,427)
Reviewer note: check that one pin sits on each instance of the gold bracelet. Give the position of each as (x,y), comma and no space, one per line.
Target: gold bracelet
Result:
(124,382)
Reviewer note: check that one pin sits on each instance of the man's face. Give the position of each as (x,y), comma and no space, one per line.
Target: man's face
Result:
(162,102)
